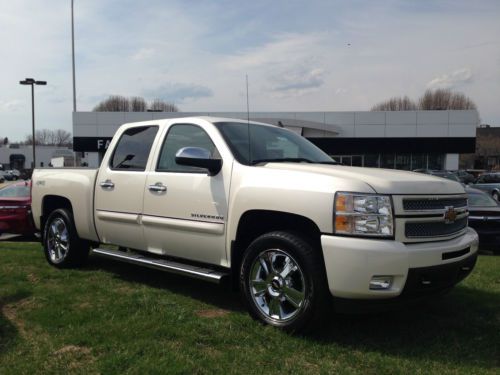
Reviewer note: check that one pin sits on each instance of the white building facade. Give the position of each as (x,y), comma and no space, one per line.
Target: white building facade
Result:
(389,139)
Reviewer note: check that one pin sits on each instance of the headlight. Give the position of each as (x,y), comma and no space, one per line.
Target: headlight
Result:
(363,214)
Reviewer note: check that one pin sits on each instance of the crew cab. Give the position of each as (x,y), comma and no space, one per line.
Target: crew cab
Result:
(225,199)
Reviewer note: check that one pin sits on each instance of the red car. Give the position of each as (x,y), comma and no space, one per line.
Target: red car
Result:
(15,209)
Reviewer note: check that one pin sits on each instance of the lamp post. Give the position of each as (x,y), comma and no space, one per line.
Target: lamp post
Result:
(32,82)
(73,55)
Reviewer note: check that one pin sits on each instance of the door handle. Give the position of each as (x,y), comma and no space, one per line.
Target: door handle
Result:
(158,187)
(108,184)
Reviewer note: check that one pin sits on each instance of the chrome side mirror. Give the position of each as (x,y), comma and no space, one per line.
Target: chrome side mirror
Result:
(198,157)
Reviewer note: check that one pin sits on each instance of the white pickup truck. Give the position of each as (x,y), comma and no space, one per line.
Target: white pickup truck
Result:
(217,199)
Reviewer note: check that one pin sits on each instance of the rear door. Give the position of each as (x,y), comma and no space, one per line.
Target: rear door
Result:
(119,188)
(185,209)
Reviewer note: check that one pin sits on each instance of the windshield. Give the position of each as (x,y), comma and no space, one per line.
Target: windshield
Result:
(481,200)
(269,143)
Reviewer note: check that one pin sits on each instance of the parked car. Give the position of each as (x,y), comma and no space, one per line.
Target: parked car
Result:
(15,209)
(8,176)
(439,173)
(446,174)
(464,176)
(15,173)
(490,183)
(484,217)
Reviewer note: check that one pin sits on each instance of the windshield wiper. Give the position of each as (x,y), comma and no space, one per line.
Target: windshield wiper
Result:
(281,160)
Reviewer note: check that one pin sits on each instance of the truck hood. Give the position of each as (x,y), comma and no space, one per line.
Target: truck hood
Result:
(383,181)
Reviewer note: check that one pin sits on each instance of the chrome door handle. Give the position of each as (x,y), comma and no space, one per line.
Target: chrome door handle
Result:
(158,187)
(108,184)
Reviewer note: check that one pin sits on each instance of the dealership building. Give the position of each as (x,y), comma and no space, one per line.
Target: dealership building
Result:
(388,139)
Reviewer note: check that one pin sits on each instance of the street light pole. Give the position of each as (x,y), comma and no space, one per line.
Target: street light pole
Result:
(32,83)
(33,123)
(73,56)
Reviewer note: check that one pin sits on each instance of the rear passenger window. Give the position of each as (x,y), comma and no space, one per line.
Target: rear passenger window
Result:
(132,151)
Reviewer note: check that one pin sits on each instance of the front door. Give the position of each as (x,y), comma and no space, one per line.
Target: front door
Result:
(185,209)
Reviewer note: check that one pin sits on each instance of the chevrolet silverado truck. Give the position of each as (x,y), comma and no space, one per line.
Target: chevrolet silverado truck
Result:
(218,199)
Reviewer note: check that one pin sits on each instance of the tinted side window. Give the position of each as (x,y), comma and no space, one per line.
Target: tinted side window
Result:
(132,151)
(179,136)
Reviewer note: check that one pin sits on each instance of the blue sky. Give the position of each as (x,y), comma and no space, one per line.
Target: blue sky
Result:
(299,55)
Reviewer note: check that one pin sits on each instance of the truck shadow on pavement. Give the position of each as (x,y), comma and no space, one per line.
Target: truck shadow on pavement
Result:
(462,327)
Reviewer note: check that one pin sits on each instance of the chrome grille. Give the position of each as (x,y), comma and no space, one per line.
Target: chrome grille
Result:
(422,218)
(434,228)
(433,204)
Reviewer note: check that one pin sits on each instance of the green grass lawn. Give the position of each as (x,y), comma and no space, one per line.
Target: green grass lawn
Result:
(114,318)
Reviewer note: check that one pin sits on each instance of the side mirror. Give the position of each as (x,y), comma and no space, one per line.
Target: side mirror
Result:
(198,157)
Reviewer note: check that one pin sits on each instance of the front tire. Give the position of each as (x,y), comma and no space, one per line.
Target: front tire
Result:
(62,246)
(283,282)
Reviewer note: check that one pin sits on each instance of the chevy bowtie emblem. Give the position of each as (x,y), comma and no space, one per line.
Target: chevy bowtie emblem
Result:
(450,215)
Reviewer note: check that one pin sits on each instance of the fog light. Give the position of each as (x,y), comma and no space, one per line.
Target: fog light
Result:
(380,282)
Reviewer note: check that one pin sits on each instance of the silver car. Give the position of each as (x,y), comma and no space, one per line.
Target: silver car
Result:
(490,183)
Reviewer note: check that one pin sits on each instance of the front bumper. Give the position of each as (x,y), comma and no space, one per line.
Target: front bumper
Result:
(352,262)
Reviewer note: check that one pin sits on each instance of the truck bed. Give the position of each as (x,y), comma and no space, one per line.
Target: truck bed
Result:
(77,185)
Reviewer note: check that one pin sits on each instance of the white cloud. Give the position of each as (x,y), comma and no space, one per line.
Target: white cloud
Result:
(178,92)
(13,105)
(144,54)
(283,49)
(452,80)
(299,81)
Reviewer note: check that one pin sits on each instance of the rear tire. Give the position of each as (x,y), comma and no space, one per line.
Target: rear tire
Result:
(62,246)
(283,282)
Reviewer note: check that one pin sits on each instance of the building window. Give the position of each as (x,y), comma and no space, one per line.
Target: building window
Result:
(407,162)
(418,161)
(436,161)
(372,160)
(403,162)
(387,161)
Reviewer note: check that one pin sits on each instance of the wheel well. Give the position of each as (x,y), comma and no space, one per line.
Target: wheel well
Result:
(51,203)
(254,223)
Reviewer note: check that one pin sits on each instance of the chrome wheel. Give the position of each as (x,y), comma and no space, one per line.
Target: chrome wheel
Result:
(277,285)
(57,240)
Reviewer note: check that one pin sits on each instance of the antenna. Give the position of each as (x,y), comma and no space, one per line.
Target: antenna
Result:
(248,104)
(248,126)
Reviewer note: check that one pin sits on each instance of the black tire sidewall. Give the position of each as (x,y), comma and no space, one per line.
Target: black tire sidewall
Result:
(309,261)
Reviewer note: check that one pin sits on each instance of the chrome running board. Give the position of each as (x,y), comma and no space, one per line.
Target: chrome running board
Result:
(196,272)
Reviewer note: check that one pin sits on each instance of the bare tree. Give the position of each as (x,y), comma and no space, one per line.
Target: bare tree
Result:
(162,106)
(443,99)
(48,137)
(138,104)
(118,103)
(43,137)
(5,141)
(114,103)
(440,99)
(396,104)
(62,138)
